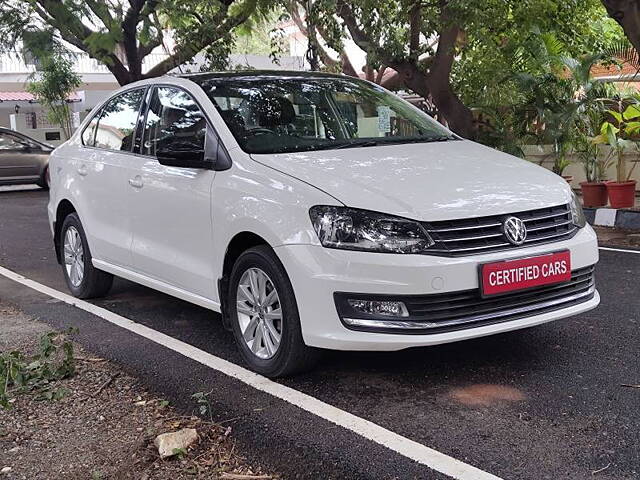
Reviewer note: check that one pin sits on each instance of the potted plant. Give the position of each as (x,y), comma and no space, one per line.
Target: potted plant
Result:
(561,160)
(594,190)
(617,135)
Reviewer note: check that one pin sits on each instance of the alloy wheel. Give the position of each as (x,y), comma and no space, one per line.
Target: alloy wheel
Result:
(74,256)
(259,313)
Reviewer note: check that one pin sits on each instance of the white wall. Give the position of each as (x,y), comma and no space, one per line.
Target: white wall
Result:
(542,154)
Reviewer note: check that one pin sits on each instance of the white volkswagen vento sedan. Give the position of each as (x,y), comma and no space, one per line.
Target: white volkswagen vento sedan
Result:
(314,211)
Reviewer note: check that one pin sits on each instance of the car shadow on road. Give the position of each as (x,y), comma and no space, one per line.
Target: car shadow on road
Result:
(494,357)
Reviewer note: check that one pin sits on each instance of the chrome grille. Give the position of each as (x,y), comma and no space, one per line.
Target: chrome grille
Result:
(484,234)
(434,313)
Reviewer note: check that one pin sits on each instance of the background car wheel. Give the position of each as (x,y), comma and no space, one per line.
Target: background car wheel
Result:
(264,316)
(83,279)
(44,179)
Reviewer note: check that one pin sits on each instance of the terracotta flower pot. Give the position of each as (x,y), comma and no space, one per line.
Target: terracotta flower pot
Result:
(621,194)
(594,194)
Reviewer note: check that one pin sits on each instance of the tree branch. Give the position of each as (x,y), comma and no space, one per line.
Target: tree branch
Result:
(101,11)
(147,48)
(343,59)
(187,51)
(363,40)
(72,30)
(129,37)
(415,26)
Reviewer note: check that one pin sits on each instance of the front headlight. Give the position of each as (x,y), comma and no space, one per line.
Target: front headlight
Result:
(577,214)
(353,229)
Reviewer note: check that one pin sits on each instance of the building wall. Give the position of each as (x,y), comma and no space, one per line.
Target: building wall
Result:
(543,155)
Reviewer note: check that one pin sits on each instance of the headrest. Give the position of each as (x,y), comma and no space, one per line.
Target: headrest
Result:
(234,121)
(274,111)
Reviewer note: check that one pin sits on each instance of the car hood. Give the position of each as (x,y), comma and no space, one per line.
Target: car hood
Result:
(426,181)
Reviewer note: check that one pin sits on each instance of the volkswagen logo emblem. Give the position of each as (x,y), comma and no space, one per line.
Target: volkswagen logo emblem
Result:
(514,230)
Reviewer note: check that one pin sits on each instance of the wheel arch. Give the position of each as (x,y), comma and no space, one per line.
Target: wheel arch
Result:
(65,207)
(238,244)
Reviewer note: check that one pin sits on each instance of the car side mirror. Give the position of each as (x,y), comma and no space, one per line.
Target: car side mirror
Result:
(182,155)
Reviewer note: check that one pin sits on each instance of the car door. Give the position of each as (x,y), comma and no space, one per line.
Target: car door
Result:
(101,172)
(18,160)
(171,208)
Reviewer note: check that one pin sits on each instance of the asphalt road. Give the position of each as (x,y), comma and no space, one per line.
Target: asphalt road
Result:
(543,403)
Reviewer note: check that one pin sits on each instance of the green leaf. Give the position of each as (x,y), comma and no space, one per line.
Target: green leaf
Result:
(616,115)
(632,128)
(607,126)
(631,112)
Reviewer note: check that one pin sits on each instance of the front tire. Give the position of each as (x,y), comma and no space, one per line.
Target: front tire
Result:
(264,316)
(83,279)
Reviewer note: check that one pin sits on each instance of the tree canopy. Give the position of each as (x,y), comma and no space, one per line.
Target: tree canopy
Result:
(455,52)
(120,34)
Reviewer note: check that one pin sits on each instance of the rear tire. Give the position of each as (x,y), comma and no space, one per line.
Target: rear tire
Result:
(279,315)
(83,279)
(43,183)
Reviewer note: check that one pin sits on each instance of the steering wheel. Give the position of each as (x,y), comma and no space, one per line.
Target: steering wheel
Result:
(258,131)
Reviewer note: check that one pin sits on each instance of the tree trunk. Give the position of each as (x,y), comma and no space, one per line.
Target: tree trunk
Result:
(458,115)
(627,14)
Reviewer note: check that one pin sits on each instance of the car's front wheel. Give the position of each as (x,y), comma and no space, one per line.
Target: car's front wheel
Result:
(264,316)
(83,279)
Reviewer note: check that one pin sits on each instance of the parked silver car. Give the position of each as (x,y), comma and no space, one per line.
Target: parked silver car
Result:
(23,159)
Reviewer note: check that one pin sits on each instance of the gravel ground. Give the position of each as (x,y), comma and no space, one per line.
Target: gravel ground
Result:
(104,427)
(618,237)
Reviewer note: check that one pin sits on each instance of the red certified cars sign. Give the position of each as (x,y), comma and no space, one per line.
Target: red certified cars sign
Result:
(511,275)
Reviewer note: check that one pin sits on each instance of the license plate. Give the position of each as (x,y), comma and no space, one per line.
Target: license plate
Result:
(523,273)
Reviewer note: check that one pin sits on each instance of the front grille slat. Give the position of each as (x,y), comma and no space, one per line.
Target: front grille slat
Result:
(472,236)
(544,217)
(547,226)
(471,227)
(549,237)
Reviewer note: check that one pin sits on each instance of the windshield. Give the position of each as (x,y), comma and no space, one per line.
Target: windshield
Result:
(268,114)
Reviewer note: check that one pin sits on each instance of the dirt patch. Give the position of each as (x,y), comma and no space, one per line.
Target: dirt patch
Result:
(104,427)
(486,395)
(618,237)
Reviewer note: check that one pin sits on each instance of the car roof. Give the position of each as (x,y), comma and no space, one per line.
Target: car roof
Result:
(257,74)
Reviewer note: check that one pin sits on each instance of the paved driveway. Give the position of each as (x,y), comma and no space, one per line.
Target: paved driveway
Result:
(543,403)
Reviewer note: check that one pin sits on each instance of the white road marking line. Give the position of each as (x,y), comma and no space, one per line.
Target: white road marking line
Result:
(369,430)
(19,188)
(609,249)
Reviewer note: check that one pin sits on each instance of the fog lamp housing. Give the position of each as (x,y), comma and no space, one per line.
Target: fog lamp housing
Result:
(383,308)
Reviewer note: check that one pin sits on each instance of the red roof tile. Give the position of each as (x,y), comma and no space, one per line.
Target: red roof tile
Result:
(28,97)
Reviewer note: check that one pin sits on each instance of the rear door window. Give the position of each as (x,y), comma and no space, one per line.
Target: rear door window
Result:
(117,123)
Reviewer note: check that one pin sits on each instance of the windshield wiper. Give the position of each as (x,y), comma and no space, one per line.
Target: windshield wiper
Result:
(383,141)
(440,138)
(364,143)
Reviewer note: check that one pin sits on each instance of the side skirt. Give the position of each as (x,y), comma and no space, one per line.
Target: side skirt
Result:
(157,285)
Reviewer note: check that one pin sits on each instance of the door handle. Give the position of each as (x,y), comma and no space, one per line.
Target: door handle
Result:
(82,170)
(136,182)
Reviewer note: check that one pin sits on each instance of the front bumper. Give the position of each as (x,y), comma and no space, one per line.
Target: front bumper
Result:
(317,273)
